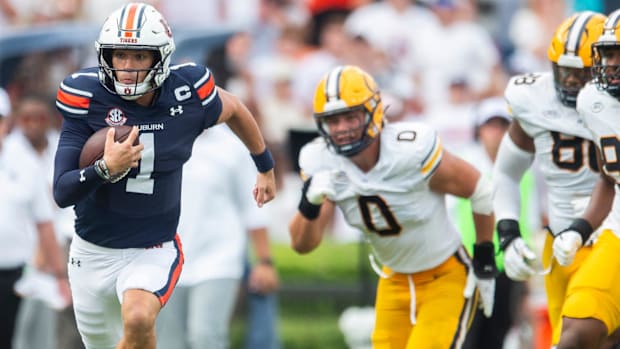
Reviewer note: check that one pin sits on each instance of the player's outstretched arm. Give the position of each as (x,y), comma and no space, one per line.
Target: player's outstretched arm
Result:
(514,157)
(308,224)
(237,116)
(457,177)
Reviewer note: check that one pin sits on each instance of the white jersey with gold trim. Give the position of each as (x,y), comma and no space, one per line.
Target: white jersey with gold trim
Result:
(406,223)
(600,113)
(564,153)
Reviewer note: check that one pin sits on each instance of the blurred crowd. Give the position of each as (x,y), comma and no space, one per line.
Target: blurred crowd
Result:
(436,60)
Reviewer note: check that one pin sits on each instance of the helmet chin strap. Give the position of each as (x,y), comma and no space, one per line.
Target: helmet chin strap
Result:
(131,92)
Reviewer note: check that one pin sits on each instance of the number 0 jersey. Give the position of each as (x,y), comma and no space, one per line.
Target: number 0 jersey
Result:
(600,113)
(406,223)
(565,156)
(141,210)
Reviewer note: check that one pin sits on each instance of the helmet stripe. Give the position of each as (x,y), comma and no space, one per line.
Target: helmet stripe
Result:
(332,85)
(129,23)
(131,19)
(140,19)
(574,32)
(612,21)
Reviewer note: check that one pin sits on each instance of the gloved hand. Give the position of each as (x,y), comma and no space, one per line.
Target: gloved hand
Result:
(565,246)
(313,194)
(320,186)
(518,258)
(482,276)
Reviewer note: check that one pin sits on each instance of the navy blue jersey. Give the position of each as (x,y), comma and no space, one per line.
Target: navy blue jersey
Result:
(142,210)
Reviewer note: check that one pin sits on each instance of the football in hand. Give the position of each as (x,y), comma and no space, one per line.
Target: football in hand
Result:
(93,148)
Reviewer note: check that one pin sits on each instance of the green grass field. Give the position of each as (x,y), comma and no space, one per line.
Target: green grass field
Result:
(315,289)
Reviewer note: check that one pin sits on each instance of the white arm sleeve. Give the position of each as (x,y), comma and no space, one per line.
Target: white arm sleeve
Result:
(510,165)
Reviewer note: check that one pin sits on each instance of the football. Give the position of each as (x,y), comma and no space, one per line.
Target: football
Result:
(93,148)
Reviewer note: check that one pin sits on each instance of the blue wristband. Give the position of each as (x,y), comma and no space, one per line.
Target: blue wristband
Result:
(263,161)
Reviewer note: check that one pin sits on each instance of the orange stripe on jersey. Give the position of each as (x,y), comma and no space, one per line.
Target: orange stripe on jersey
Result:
(206,89)
(131,18)
(73,100)
(176,272)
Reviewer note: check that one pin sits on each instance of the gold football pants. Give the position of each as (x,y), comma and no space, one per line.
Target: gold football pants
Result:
(424,310)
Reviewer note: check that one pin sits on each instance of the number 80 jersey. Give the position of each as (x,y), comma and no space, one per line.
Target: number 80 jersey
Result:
(564,154)
(405,222)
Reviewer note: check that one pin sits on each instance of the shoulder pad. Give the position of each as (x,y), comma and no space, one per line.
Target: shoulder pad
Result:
(200,77)
(417,142)
(76,91)
(522,90)
(313,155)
(587,98)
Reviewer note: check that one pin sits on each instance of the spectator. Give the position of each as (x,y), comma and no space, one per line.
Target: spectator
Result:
(26,207)
(218,219)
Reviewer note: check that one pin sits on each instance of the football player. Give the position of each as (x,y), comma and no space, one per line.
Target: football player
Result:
(547,127)
(126,256)
(592,308)
(390,181)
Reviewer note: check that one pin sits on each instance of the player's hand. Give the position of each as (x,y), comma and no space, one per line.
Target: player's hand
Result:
(121,156)
(486,288)
(321,185)
(64,289)
(518,258)
(265,188)
(482,276)
(565,246)
(263,279)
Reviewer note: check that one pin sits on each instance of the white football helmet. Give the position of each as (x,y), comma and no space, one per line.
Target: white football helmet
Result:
(135,26)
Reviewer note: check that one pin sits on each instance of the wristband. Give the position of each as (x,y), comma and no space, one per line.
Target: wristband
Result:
(102,170)
(507,230)
(263,161)
(265,261)
(306,208)
(484,260)
(583,227)
(104,173)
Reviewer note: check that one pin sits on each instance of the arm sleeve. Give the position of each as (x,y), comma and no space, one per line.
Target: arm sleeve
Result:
(70,183)
(511,164)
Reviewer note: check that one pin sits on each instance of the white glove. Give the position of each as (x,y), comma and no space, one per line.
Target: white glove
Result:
(518,258)
(320,186)
(486,288)
(565,246)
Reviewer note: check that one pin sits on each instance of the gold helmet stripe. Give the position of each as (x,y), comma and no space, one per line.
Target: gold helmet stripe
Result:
(574,32)
(332,85)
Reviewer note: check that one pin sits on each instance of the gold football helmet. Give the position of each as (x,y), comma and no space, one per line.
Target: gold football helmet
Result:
(345,89)
(571,55)
(607,73)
